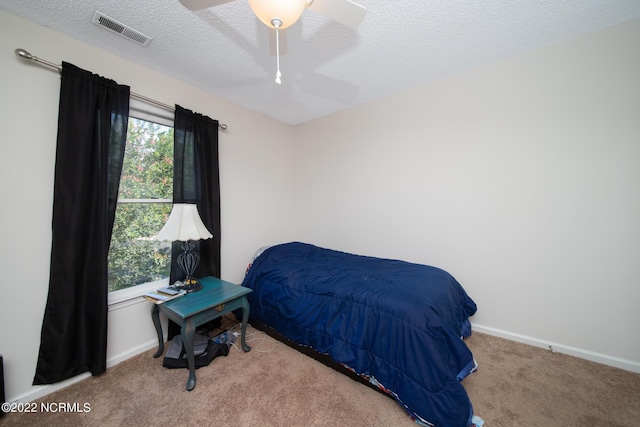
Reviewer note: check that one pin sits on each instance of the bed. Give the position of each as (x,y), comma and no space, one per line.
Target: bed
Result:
(397,324)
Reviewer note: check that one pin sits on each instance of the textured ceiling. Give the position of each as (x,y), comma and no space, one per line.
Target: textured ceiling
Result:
(327,67)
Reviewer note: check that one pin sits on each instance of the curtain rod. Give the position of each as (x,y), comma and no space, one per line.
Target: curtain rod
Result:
(23,54)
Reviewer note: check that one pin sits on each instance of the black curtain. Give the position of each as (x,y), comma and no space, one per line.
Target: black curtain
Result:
(92,131)
(196,179)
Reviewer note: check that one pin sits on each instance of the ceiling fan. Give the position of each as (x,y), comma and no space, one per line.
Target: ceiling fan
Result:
(280,14)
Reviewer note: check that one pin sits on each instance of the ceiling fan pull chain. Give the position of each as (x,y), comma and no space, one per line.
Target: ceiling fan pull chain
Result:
(278,75)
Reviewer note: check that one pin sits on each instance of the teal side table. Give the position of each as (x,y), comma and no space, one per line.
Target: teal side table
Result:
(216,299)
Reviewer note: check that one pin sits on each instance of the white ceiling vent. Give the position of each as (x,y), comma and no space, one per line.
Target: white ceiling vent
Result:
(125,31)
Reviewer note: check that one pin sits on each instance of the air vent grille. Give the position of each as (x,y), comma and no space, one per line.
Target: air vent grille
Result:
(119,28)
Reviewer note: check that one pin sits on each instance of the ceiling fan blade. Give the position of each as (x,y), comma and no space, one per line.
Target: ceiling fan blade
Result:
(202,4)
(272,41)
(344,11)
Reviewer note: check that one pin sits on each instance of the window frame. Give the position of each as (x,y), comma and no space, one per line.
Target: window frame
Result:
(143,111)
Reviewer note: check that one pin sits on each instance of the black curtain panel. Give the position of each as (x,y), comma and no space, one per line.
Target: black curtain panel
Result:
(196,179)
(92,131)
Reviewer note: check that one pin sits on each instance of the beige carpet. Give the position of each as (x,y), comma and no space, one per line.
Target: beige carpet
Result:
(274,385)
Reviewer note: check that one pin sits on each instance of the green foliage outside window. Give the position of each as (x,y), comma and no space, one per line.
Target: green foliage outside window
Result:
(147,174)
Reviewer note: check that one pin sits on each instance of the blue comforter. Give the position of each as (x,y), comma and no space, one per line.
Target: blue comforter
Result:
(396,322)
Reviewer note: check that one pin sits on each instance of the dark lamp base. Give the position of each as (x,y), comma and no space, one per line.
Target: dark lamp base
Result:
(191,285)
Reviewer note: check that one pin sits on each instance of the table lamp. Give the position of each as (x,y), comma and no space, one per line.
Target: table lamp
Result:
(185,225)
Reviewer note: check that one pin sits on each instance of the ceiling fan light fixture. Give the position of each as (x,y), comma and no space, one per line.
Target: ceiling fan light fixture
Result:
(286,11)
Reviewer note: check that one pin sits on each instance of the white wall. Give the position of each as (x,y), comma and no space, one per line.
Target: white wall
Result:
(256,174)
(521,178)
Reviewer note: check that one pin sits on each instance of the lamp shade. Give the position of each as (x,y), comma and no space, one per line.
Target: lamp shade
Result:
(184,224)
(287,11)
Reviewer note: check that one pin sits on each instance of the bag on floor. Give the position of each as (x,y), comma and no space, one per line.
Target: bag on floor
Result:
(204,351)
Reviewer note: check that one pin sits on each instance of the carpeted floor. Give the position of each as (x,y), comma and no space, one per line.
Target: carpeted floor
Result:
(274,385)
(520,385)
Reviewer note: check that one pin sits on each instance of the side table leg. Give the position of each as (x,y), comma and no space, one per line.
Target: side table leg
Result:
(187,330)
(155,316)
(245,319)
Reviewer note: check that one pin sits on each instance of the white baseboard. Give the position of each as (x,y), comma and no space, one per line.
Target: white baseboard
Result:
(605,359)
(37,392)
(114,360)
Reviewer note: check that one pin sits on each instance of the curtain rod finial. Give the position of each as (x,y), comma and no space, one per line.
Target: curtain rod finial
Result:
(23,54)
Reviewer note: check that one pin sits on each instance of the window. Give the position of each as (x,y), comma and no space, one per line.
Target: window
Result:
(144,204)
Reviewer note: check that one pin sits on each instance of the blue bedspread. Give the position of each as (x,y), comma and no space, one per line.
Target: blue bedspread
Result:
(398,322)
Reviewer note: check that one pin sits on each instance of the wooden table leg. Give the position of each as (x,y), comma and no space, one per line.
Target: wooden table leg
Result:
(155,316)
(187,330)
(245,319)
